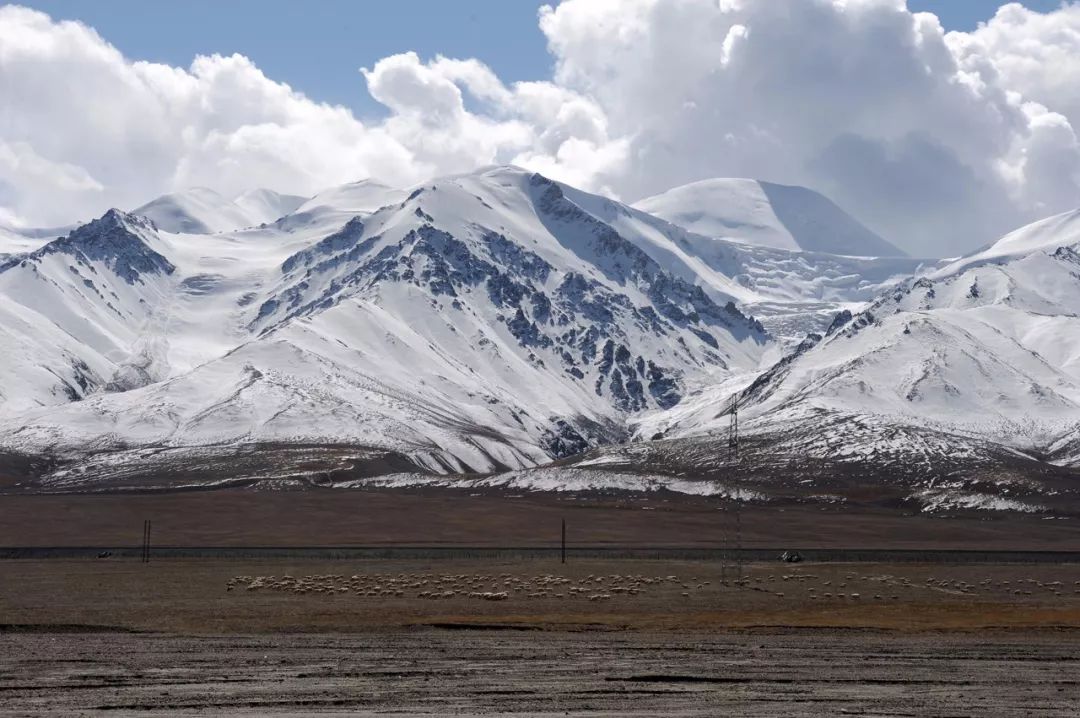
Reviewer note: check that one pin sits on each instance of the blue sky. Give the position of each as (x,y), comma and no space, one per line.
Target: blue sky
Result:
(317,47)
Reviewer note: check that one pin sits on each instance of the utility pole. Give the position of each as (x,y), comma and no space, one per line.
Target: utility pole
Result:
(145,558)
(564,540)
(732,411)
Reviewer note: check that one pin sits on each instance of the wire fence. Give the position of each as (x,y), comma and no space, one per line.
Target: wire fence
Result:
(554,553)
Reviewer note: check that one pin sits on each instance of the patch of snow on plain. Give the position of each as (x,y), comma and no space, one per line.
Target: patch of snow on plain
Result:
(583,480)
(947,499)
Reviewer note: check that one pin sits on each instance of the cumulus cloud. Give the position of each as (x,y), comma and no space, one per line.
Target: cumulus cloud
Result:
(1035,53)
(84,128)
(940,141)
(917,132)
(113,132)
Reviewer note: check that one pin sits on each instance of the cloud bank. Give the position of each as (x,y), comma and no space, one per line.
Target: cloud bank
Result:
(939,141)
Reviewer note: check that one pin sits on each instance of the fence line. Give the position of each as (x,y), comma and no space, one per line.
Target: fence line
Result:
(852,555)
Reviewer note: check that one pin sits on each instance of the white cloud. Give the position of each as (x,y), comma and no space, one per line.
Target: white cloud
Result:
(539,124)
(85,128)
(127,131)
(858,98)
(938,141)
(1036,53)
(39,181)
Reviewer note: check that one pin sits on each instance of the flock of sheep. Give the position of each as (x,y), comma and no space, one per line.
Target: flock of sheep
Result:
(1019,587)
(840,589)
(505,586)
(487,587)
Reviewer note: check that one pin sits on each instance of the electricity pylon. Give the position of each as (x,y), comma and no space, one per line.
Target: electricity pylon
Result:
(732,409)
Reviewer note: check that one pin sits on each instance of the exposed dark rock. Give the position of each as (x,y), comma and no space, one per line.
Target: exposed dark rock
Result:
(113,240)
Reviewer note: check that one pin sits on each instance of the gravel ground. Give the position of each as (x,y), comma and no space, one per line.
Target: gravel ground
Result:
(525,673)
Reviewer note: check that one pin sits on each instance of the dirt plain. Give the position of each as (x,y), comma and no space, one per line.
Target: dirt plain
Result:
(313,631)
(431,517)
(440,673)
(590,637)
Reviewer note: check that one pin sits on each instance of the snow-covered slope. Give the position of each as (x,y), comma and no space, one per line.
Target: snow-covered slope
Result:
(1050,233)
(792,291)
(203,211)
(194,211)
(498,320)
(790,256)
(262,206)
(991,340)
(767,215)
(362,197)
(333,207)
(968,369)
(72,309)
(481,321)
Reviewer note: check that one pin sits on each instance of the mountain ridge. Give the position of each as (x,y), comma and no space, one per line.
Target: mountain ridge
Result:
(767,214)
(526,284)
(500,321)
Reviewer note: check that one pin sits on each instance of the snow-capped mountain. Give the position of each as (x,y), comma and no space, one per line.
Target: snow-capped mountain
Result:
(71,307)
(198,210)
(797,257)
(989,343)
(498,321)
(792,292)
(964,381)
(203,211)
(354,198)
(263,206)
(767,215)
(331,208)
(485,320)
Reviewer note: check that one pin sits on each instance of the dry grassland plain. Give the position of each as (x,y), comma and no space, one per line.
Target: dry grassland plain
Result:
(229,633)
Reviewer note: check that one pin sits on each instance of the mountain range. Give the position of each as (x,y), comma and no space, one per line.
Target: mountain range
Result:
(498,328)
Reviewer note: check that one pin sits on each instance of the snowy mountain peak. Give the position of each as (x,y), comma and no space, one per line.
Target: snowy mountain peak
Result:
(262,206)
(328,210)
(501,319)
(360,197)
(495,319)
(79,313)
(116,239)
(118,219)
(767,214)
(197,210)
(565,321)
(200,210)
(987,347)
(1046,235)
